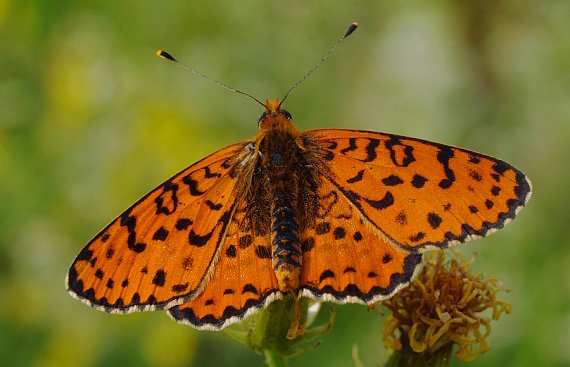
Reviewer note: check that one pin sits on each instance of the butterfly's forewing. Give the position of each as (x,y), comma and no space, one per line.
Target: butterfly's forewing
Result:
(422,195)
(163,248)
(346,259)
(242,282)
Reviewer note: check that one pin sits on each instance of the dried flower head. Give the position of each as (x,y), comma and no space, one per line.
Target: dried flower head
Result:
(442,307)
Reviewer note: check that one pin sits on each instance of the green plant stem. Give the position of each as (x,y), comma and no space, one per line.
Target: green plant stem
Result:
(274,359)
(408,358)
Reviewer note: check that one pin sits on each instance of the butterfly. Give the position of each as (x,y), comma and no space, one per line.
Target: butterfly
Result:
(333,215)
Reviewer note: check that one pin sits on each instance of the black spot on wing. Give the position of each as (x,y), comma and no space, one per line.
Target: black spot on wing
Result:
(209,174)
(339,233)
(187,263)
(307,244)
(85,255)
(408,152)
(231,251)
(160,235)
(179,288)
(356,178)
(151,300)
(167,201)
(392,180)
(192,186)
(249,288)
(418,181)
(355,198)
(131,222)
(383,203)
(263,252)
(371,150)
(417,237)
(351,146)
(476,176)
(183,224)
(197,240)
(213,206)
(323,228)
(159,278)
(226,164)
(500,167)
(434,220)
(329,156)
(245,241)
(402,218)
(443,156)
(326,274)
(137,247)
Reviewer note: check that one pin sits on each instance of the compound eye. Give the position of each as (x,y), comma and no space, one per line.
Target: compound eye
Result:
(287,115)
(261,117)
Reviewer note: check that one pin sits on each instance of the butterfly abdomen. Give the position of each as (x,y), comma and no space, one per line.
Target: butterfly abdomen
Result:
(285,242)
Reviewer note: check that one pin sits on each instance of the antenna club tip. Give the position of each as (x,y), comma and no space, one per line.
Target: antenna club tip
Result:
(351,29)
(164,55)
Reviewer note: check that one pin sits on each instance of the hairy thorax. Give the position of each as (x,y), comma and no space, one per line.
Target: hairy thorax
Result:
(280,184)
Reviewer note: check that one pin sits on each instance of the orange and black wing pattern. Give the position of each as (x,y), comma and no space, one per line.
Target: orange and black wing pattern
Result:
(386,199)
(164,248)
(242,282)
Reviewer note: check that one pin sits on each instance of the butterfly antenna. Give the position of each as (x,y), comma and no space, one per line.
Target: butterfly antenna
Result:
(166,55)
(348,32)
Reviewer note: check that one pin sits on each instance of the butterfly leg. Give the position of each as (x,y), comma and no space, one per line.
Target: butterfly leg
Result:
(296,330)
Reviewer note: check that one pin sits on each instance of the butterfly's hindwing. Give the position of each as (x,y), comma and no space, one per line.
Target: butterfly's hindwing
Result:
(346,260)
(242,282)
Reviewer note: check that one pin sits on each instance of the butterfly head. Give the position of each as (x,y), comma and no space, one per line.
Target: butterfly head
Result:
(273,112)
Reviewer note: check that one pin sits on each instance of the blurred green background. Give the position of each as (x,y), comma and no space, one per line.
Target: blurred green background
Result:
(91,119)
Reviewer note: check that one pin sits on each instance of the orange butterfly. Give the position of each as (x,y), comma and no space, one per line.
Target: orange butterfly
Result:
(332,215)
